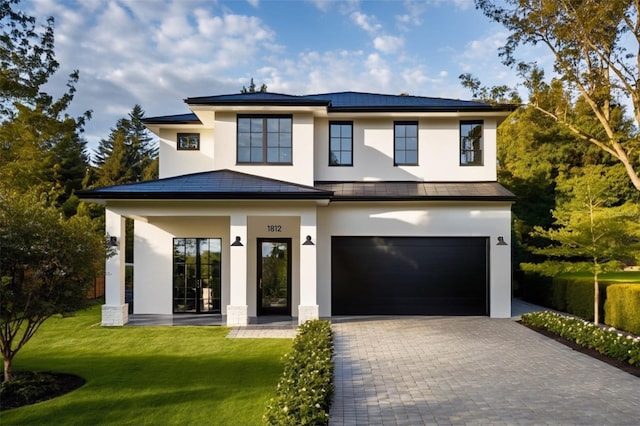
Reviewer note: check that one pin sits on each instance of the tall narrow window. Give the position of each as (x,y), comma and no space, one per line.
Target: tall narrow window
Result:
(405,143)
(264,139)
(471,142)
(188,141)
(341,143)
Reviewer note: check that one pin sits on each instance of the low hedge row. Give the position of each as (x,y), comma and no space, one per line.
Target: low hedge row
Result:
(622,309)
(571,295)
(305,389)
(605,340)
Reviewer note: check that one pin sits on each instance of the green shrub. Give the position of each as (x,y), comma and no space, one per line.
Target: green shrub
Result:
(622,309)
(305,389)
(605,340)
(558,294)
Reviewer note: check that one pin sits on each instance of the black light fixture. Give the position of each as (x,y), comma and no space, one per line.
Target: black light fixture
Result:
(112,241)
(308,242)
(501,241)
(237,243)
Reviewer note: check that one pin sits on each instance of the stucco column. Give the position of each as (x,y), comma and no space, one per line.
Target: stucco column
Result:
(115,312)
(308,308)
(237,310)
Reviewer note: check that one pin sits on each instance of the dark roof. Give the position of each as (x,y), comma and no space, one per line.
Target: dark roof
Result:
(173,119)
(371,102)
(215,185)
(352,102)
(416,191)
(257,98)
(232,185)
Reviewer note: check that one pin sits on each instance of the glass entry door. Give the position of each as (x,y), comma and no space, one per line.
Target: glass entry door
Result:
(196,275)
(274,276)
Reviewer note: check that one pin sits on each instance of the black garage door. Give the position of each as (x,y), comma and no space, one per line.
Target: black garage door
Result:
(409,276)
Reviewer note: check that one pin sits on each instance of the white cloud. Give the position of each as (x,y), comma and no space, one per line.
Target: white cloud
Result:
(366,22)
(388,44)
(254,3)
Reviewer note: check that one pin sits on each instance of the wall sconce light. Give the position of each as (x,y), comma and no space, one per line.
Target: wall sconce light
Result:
(308,242)
(112,241)
(501,241)
(237,243)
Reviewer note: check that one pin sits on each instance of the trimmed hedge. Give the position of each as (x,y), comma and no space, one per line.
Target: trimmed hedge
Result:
(570,294)
(605,340)
(305,389)
(622,309)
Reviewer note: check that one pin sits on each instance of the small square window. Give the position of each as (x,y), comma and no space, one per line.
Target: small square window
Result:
(188,141)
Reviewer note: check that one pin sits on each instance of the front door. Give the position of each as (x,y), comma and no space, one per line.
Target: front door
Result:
(274,276)
(196,275)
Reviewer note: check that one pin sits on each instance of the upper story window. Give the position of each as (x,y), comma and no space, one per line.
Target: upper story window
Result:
(405,143)
(471,143)
(188,141)
(341,143)
(264,139)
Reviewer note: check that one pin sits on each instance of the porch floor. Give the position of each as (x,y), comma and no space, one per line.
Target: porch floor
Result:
(277,322)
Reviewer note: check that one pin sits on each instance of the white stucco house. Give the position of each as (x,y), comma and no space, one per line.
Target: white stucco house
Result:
(316,206)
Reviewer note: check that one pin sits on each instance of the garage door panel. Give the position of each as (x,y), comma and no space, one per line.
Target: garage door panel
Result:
(409,276)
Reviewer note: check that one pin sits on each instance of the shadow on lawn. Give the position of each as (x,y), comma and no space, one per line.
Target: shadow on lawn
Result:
(125,388)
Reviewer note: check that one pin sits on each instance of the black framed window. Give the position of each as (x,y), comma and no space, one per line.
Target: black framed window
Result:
(188,141)
(405,143)
(341,143)
(471,141)
(264,139)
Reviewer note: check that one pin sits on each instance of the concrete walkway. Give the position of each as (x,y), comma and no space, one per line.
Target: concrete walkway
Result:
(470,370)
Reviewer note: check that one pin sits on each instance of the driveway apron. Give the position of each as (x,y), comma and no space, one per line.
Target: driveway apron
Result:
(470,370)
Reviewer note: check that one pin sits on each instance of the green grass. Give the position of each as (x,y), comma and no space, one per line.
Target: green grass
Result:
(630,277)
(150,375)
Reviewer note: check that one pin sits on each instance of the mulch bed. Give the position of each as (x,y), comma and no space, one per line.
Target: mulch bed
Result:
(57,385)
(631,369)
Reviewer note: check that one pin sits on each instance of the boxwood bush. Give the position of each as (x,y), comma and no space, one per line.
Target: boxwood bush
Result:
(622,309)
(606,340)
(305,389)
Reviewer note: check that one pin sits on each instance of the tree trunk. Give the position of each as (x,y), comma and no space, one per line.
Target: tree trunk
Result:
(7,370)
(596,300)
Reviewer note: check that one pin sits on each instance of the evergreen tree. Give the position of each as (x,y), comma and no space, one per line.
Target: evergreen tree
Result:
(252,88)
(128,154)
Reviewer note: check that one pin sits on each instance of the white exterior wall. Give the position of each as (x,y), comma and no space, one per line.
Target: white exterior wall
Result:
(153,258)
(438,152)
(176,163)
(420,220)
(301,170)
(159,222)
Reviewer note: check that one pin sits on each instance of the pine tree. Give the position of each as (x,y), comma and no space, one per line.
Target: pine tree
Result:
(128,154)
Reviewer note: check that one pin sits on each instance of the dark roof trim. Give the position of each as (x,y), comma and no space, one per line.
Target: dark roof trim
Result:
(172,119)
(257,99)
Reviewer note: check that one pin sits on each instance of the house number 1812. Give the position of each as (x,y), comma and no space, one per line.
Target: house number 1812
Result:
(274,228)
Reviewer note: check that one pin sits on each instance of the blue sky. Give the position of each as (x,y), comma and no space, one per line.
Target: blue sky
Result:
(159,52)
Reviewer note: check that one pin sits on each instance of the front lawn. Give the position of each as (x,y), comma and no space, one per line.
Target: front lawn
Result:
(150,375)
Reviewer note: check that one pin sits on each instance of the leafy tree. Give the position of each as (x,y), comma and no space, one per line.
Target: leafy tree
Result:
(128,154)
(591,232)
(595,46)
(40,146)
(252,88)
(47,264)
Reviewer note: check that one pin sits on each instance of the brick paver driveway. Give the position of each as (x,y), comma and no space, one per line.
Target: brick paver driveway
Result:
(470,370)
